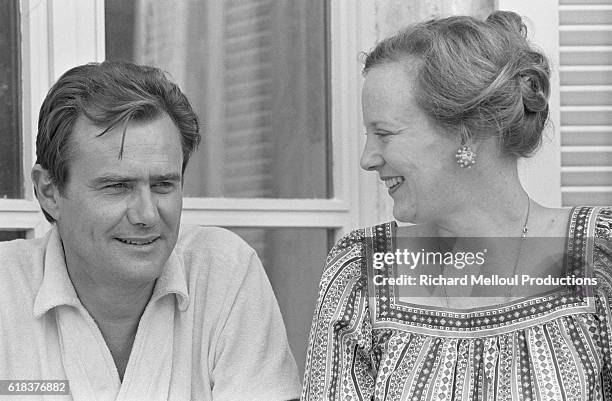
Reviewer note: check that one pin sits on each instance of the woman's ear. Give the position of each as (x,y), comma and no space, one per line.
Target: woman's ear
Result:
(46,191)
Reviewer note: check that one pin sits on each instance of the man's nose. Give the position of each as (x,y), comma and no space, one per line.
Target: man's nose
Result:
(371,158)
(143,208)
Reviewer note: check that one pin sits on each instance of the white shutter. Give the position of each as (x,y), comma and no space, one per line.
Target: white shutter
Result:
(586,101)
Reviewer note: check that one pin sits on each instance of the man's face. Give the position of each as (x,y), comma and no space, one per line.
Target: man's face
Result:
(119,218)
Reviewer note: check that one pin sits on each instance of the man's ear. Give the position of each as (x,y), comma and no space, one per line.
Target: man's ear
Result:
(46,191)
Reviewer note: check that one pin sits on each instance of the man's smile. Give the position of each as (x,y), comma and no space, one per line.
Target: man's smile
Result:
(138,241)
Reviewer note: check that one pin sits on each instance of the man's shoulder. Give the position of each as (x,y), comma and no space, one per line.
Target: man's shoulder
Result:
(22,251)
(215,242)
(215,260)
(21,272)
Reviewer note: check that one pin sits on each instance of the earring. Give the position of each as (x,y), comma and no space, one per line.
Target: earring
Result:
(466,157)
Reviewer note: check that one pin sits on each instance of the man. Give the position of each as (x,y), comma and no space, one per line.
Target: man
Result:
(114,298)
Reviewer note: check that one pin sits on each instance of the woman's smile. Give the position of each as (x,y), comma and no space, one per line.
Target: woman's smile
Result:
(393,183)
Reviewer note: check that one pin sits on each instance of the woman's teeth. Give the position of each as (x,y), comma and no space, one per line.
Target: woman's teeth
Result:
(393,181)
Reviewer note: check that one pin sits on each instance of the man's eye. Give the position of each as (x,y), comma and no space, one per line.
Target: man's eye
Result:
(117,187)
(164,186)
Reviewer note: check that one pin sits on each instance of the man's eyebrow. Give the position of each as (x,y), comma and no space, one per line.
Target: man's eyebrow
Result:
(111,179)
(115,178)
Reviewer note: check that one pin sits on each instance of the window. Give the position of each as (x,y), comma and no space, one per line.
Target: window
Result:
(9,235)
(279,161)
(276,84)
(257,74)
(10,97)
(292,258)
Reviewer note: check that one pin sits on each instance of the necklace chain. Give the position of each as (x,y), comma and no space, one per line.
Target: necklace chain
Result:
(524,232)
(518,257)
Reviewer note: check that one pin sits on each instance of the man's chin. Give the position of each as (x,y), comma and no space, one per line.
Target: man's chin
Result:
(138,273)
(141,266)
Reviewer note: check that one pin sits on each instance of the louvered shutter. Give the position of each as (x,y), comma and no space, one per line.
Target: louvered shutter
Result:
(586,101)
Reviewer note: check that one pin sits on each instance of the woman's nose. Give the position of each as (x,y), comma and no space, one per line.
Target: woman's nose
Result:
(370,157)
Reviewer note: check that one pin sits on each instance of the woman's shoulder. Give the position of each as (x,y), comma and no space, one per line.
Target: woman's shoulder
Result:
(593,222)
(603,237)
(602,249)
(347,260)
(356,241)
(603,224)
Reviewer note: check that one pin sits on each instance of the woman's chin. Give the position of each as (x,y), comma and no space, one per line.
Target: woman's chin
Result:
(404,214)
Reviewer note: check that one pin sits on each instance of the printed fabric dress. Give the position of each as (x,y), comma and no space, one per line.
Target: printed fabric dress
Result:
(554,347)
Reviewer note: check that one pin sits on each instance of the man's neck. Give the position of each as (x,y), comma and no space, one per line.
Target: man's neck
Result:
(109,304)
(116,311)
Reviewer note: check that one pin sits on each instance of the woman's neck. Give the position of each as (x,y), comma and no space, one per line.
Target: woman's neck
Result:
(495,208)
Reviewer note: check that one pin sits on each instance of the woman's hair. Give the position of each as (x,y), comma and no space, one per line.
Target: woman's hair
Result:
(109,94)
(477,78)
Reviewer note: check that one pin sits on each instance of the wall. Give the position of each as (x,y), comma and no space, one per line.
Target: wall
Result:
(392,15)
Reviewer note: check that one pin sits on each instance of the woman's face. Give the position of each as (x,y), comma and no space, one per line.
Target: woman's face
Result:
(415,158)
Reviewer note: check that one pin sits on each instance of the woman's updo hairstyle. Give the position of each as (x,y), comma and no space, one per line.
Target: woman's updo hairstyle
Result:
(477,78)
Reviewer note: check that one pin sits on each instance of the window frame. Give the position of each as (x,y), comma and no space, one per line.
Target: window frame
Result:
(64,33)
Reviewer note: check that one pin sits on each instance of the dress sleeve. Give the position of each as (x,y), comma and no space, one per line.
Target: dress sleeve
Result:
(602,259)
(253,360)
(339,361)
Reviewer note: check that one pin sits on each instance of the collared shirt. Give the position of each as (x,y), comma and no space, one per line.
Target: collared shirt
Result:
(211,331)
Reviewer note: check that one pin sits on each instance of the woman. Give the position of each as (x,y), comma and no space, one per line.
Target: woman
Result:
(449,106)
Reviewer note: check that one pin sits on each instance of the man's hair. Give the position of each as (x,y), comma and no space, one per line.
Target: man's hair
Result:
(109,94)
(475,78)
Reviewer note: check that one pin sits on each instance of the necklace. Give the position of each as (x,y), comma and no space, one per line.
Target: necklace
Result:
(524,232)
(518,257)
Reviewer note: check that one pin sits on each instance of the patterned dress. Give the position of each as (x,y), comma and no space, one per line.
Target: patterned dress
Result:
(365,344)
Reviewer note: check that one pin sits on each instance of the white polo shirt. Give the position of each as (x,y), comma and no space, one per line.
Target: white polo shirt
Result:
(211,331)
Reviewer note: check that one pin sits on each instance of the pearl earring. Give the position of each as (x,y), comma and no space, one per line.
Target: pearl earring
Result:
(466,157)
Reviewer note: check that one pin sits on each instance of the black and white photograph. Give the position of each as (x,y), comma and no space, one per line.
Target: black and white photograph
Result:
(314,200)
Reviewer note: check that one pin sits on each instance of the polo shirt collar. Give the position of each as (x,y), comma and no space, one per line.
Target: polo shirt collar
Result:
(172,281)
(56,288)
